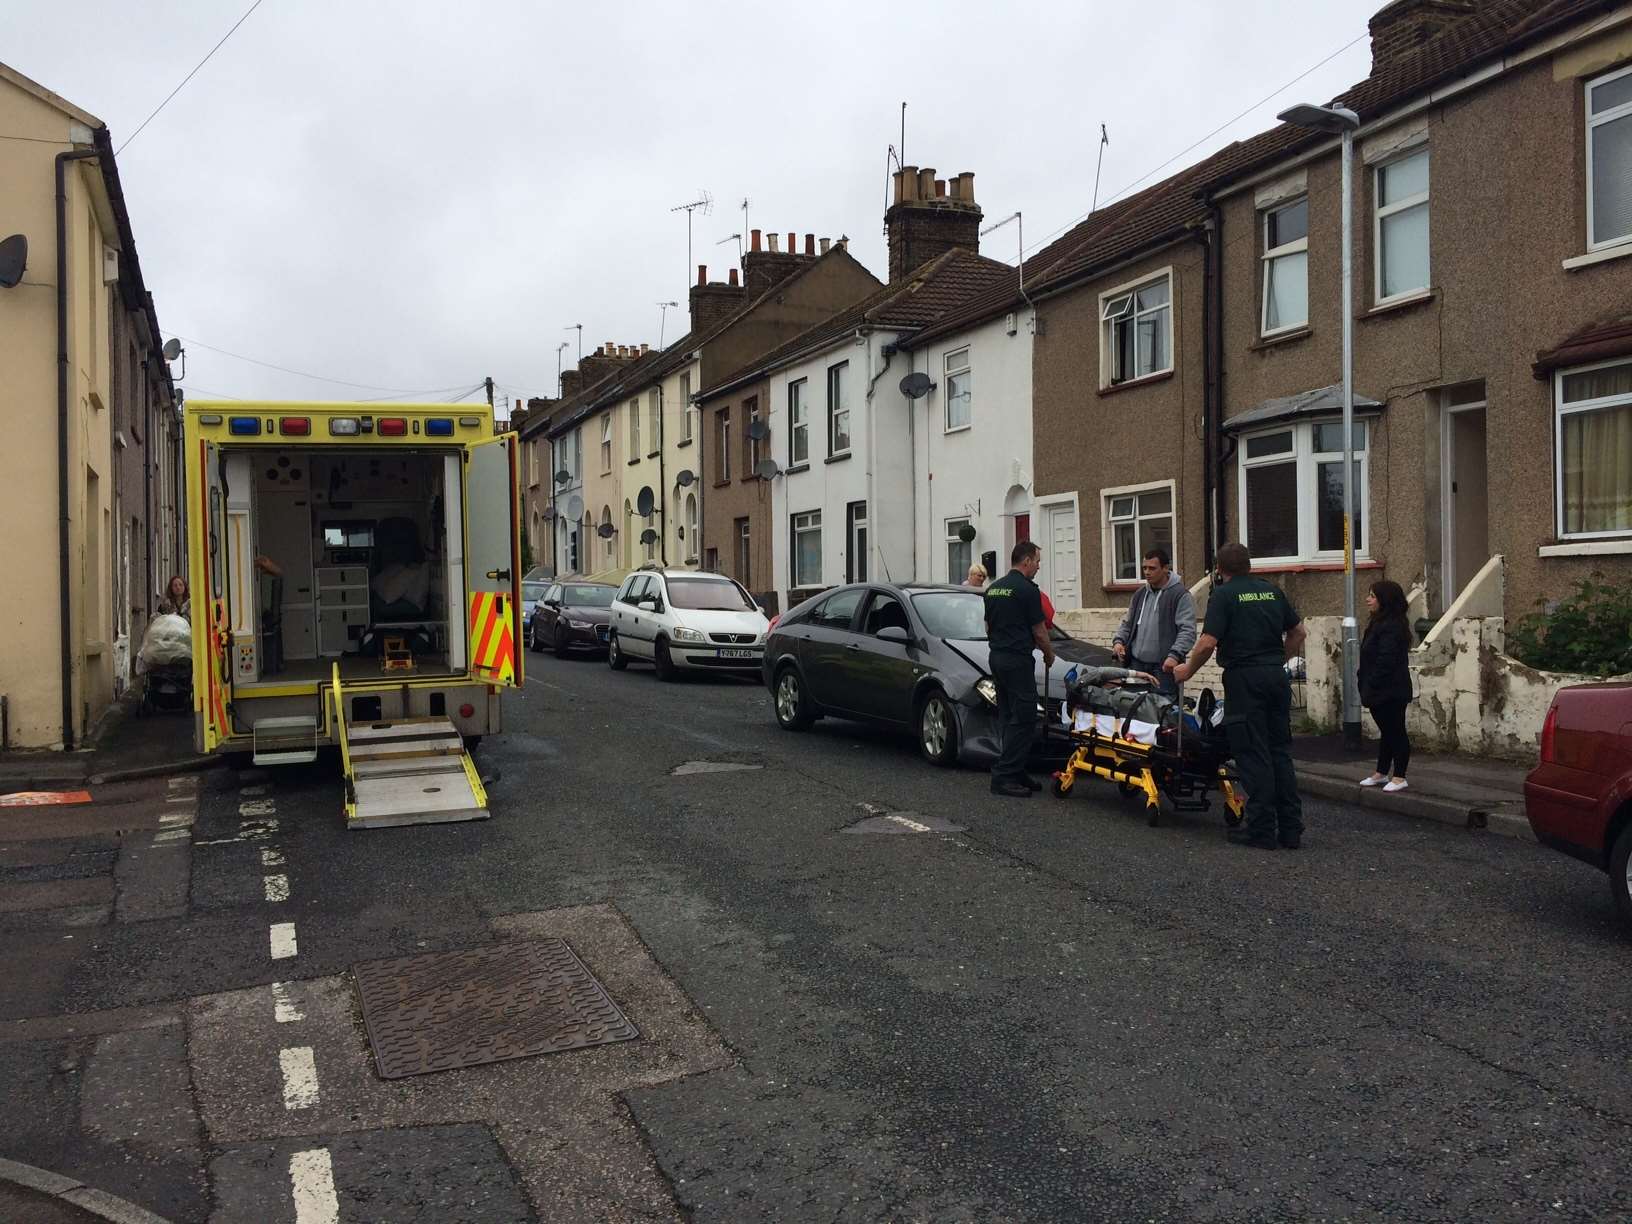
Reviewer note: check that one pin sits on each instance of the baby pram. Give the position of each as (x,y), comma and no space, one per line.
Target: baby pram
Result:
(1149,744)
(165,664)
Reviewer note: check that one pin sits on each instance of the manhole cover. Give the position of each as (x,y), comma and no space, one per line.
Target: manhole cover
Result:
(460,1009)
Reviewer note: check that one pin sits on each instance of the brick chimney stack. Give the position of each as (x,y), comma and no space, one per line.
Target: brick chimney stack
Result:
(1399,28)
(712,302)
(763,269)
(929,217)
(607,358)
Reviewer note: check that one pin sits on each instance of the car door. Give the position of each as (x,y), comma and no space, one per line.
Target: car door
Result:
(624,614)
(881,675)
(548,612)
(829,652)
(637,638)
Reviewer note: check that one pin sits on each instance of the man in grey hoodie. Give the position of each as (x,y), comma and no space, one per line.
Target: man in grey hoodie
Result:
(1160,628)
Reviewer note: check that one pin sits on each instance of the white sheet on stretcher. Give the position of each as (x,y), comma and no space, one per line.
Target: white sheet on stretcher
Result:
(1108,724)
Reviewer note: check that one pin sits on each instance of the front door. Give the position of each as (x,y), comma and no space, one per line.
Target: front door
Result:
(493,561)
(1060,566)
(1468,520)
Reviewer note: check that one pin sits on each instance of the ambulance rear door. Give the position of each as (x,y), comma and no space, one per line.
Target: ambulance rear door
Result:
(493,561)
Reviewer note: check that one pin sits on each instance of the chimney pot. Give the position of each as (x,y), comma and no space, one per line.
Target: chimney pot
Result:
(940,189)
(793,244)
(773,240)
(754,240)
(826,242)
(900,185)
(702,274)
(926,183)
(732,281)
(909,175)
(967,191)
(810,244)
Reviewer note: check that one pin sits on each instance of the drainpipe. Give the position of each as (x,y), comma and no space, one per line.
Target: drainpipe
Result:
(1213,516)
(874,538)
(64,590)
(662,485)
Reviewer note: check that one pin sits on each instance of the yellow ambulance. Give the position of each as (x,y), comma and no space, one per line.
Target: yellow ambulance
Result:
(356,583)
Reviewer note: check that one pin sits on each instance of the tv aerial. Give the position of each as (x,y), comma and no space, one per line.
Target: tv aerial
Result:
(704,203)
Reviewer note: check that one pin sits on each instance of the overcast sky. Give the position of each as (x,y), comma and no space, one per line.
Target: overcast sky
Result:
(410,195)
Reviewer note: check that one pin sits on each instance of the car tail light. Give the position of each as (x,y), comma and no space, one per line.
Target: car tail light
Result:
(467,711)
(772,625)
(1549,734)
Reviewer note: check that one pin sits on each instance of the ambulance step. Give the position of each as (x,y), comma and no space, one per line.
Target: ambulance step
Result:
(404,738)
(290,740)
(423,790)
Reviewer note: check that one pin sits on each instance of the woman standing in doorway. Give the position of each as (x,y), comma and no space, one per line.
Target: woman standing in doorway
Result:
(1385,682)
(176,601)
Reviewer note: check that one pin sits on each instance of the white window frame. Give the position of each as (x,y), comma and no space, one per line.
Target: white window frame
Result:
(653,399)
(841,408)
(722,436)
(1559,413)
(686,426)
(955,574)
(744,548)
(1298,246)
(634,428)
(1107,526)
(1595,121)
(757,448)
(1107,346)
(606,444)
(798,423)
(1307,462)
(799,524)
(957,374)
(1380,212)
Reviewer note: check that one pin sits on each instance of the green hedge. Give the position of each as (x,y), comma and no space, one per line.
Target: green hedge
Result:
(1588,631)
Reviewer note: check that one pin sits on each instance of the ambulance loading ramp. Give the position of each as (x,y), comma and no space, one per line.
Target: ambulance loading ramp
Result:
(407,771)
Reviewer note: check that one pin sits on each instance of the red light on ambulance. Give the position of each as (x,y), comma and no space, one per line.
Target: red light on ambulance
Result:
(295,427)
(467,711)
(391,427)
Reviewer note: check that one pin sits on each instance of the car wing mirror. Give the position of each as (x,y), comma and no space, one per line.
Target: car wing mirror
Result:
(894,633)
(647,605)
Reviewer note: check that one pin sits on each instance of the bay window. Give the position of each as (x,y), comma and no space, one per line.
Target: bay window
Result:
(1594,450)
(1402,226)
(1291,491)
(1136,326)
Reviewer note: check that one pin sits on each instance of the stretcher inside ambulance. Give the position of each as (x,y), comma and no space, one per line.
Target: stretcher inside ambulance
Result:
(349,571)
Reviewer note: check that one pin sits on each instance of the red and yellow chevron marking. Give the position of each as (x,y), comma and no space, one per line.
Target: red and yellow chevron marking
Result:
(492,639)
(219,664)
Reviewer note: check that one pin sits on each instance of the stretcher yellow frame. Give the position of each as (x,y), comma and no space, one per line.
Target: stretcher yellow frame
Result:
(1130,764)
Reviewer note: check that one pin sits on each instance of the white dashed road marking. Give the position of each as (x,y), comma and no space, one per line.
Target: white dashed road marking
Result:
(271,857)
(299,1077)
(311,1174)
(283,940)
(284,1008)
(908,823)
(277,888)
(257,807)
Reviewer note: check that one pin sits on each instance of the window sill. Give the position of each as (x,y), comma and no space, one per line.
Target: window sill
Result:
(798,467)
(1619,251)
(956,429)
(682,442)
(837,458)
(1312,567)
(1586,548)
(1120,587)
(652,454)
(633,461)
(1133,383)
(723,484)
(749,479)
(606,471)
(1286,337)
(1401,303)
(92,649)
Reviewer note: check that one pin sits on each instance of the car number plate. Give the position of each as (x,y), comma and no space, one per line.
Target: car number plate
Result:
(737,654)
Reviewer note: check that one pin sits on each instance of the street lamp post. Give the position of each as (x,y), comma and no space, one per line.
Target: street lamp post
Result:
(1341,121)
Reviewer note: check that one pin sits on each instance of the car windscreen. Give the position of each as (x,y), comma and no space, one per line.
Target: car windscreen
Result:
(532,592)
(958,615)
(709,594)
(587,596)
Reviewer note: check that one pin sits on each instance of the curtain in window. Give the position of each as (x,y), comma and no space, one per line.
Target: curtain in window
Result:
(1272,510)
(1597,463)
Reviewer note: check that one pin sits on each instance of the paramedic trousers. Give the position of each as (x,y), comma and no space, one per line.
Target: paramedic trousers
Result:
(1016,678)
(1165,684)
(1258,721)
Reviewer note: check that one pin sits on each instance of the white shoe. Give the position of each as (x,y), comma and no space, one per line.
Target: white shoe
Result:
(1373,780)
(1398,784)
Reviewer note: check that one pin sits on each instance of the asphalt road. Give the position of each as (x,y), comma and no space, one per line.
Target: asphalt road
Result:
(1056,1013)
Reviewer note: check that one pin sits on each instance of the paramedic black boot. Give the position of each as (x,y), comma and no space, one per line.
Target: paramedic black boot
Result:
(1240,837)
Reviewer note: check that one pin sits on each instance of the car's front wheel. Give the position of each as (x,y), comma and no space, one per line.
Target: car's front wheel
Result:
(614,654)
(938,730)
(663,661)
(560,643)
(1620,873)
(793,712)
(532,635)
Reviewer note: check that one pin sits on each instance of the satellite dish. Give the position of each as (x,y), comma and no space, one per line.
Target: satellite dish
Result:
(685,478)
(563,476)
(759,430)
(916,386)
(575,507)
(549,512)
(605,531)
(13,260)
(966,533)
(645,501)
(649,536)
(172,349)
(766,468)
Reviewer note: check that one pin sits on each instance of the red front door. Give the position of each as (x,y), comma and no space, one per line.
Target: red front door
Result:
(1022,528)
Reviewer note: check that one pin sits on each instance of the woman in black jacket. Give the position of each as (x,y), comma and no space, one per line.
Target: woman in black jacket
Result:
(1385,682)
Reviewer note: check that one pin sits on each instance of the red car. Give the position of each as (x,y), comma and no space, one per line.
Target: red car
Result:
(1579,799)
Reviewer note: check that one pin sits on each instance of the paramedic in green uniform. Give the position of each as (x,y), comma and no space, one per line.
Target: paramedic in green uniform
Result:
(1255,629)
(1015,627)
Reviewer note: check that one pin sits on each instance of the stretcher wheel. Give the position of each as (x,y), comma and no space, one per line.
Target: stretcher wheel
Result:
(1057,788)
(1155,817)
(1233,819)
(1127,788)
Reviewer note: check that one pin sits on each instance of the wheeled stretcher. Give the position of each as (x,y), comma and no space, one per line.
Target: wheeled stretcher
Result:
(1151,745)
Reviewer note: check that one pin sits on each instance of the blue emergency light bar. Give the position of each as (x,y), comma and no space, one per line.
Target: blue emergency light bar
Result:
(439,427)
(244,426)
